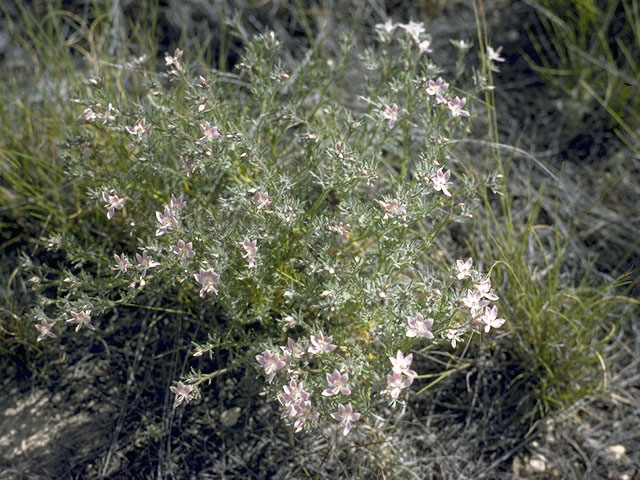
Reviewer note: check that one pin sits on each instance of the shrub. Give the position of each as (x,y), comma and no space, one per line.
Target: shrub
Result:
(278,205)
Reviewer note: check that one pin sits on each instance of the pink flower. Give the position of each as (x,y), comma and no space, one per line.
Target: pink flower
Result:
(320,345)
(182,393)
(304,411)
(166,219)
(184,251)
(437,88)
(419,326)
(341,229)
(113,203)
(208,279)
(176,203)
(414,29)
(261,199)
(345,415)
(456,105)
(293,349)
(464,268)
(145,263)
(441,182)
(173,61)
(271,362)
(82,318)
(474,302)
(122,263)
(295,391)
(401,364)
(338,383)
(45,329)
(490,319)
(391,113)
(251,251)
(209,133)
(485,290)
(396,383)
(494,55)
(139,128)
(392,209)
(452,334)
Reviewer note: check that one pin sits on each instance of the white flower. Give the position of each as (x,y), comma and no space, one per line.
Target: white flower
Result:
(387,27)
(494,55)
(414,29)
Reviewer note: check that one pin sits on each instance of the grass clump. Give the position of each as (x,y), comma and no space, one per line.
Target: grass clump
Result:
(589,50)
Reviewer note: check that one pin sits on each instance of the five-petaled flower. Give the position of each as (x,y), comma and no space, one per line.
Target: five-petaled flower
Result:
(490,319)
(145,263)
(260,199)
(139,128)
(208,279)
(494,55)
(338,383)
(387,27)
(485,290)
(401,364)
(45,329)
(453,335)
(396,383)
(392,208)
(419,326)
(209,133)
(304,411)
(271,362)
(292,349)
(441,181)
(437,88)
(184,251)
(414,29)
(83,317)
(182,393)
(456,107)
(391,113)
(122,263)
(113,203)
(345,415)
(177,203)
(474,302)
(319,344)
(424,46)
(464,269)
(173,61)
(166,219)
(251,251)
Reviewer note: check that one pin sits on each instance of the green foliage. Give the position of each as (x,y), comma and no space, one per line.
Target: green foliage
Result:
(590,51)
(305,217)
(563,324)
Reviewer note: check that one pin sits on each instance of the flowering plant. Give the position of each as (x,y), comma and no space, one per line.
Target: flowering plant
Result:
(262,195)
